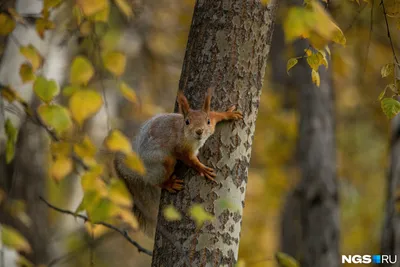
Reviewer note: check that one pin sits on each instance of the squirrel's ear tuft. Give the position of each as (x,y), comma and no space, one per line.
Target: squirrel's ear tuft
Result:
(207,101)
(183,104)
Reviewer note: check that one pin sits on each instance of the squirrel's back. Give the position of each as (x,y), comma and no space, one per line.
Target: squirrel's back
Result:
(158,135)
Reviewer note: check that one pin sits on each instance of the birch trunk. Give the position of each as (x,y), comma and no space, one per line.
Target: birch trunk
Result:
(227,49)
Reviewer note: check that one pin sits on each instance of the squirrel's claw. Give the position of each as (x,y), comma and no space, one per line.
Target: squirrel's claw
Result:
(173,184)
(209,173)
(234,115)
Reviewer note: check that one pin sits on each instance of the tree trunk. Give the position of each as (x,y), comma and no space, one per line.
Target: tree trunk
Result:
(310,222)
(390,242)
(227,49)
(25,178)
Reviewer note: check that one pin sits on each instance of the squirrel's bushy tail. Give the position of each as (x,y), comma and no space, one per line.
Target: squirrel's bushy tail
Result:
(145,195)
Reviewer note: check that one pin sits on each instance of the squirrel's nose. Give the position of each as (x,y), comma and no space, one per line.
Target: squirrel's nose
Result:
(199,131)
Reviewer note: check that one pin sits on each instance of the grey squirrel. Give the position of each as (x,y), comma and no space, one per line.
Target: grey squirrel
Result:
(161,141)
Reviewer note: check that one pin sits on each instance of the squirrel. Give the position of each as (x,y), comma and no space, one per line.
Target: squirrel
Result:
(161,141)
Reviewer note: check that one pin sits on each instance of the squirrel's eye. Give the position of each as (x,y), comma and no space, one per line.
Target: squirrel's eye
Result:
(208,121)
(187,122)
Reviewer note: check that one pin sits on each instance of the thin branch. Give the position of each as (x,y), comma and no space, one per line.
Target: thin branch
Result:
(124,233)
(370,36)
(388,33)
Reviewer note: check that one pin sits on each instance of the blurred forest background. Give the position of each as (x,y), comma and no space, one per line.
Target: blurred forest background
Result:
(154,41)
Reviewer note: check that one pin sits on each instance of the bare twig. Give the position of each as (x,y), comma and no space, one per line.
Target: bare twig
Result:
(124,233)
(388,33)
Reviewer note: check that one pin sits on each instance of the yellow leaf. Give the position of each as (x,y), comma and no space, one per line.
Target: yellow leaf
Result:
(127,216)
(296,23)
(86,150)
(199,215)
(42,25)
(91,7)
(119,194)
(117,141)
(102,16)
(285,260)
(91,181)
(264,2)
(7,24)
(124,7)
(81,71)
(56,117)
(315,77)
(387,70)
(84,104)
(115,62)
(128,92)
(171,213)
(60,168)
(314,61)
(86,28)
(26,73)
(133,161)
(32,55)
(60,149)
(13,239)
(291,63)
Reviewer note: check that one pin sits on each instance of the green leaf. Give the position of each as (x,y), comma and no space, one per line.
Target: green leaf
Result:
(199,215)
(387,70)
(115,62)
(32,55)
(13,239)
(102,211)
(390,107)
(45,89)
(285,260)
(171,213)
(7,24)
(70,90)
(56,117)
(84,104)
(26,73)
(12,134)
(291,63)
(81,71)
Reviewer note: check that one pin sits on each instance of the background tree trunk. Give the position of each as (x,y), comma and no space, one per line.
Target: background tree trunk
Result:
(25,178)
(310,222)
(390,242)
(227,48)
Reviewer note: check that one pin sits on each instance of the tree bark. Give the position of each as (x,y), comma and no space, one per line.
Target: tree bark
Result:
(227,49)
(310,221)
(390,242)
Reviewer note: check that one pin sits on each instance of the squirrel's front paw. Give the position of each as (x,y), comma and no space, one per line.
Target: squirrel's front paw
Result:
(234,115)
(208,172)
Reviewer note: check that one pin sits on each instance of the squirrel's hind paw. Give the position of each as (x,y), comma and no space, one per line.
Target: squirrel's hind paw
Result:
(173,184)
